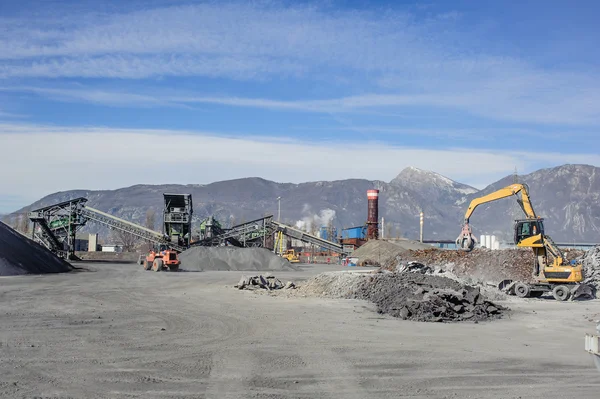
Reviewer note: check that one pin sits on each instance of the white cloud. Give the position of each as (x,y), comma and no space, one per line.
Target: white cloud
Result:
(414,62)
(103,158)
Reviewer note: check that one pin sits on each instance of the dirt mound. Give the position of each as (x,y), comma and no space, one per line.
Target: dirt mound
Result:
(408,295)
(423,297)
(479,264)
(19,255)
(591,268)
(331,285)
(380,252)
(231,258)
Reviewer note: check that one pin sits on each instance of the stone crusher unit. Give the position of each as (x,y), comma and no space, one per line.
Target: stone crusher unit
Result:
(177,218)
(177,226)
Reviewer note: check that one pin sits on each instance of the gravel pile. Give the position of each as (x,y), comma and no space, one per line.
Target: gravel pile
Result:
(19,255)
(231,258)
(380,252)
(591,268)
(422,297)
(331,285)
(408,295)
(482,265)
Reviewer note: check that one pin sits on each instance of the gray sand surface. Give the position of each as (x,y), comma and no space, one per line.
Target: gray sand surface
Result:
(232,258)
(119,332)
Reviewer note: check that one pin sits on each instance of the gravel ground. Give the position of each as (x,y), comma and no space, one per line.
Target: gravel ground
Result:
(119,332)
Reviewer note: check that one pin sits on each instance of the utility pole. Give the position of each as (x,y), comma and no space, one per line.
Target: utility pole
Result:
(421,225)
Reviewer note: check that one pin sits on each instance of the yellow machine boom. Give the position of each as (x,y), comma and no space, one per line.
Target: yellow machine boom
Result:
(529,233)
(505,192)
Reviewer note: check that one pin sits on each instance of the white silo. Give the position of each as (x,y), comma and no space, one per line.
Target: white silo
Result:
(493,242)
(482,241)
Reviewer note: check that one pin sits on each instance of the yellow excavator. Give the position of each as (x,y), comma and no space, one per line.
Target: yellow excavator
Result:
(558,276)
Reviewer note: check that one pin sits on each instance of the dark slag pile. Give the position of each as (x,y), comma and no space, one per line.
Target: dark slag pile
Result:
(231,258)
(20,255)
(422,297)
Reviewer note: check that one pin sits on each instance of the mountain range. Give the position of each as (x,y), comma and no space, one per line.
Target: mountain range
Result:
(566,196)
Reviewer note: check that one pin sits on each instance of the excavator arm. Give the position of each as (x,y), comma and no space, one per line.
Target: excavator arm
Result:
(513,189)
(529,233)
(466,240)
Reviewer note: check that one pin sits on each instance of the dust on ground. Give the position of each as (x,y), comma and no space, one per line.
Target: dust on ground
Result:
(119,332)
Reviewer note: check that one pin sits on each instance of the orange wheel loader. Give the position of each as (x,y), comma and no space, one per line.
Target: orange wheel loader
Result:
(163,259)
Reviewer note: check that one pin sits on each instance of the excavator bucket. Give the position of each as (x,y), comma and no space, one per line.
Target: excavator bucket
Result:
(583,291)
(466,240)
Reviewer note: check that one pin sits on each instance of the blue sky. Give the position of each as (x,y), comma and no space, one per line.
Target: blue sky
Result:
(291,91)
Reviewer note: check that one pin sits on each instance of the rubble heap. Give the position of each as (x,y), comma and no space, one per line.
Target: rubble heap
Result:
(423,297)
(479,264)
(411,295)
(591,268)
(380,252)
(268,283)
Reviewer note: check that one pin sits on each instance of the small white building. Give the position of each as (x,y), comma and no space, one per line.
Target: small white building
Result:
(112,248)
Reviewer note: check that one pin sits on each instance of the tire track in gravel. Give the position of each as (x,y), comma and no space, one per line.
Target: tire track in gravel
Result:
(182,355)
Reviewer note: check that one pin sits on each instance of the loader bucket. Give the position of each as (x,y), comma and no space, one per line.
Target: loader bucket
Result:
(583,291)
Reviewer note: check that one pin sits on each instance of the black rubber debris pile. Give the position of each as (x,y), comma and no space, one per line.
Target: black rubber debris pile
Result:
(232,258)
(19,255)
(422,297)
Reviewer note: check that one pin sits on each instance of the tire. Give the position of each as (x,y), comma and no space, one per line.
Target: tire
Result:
(561,293)
(147,265)
(158,264)
(522,290)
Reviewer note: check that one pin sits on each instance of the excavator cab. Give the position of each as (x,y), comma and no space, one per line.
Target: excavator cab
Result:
(528,228)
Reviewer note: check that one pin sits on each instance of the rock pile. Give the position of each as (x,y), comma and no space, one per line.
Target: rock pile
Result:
(380,252)
(265,282)
(479,264)
(231,258)
(411,295)
(591,268)
(423,297)
(20,255)
(331,285)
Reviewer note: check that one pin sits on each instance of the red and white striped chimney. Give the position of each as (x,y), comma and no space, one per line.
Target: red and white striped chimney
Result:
(373,214)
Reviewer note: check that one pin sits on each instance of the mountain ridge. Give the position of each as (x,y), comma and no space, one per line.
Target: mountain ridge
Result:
(567,196)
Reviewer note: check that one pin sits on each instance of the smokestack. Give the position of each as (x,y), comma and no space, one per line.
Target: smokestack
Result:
(373,214)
